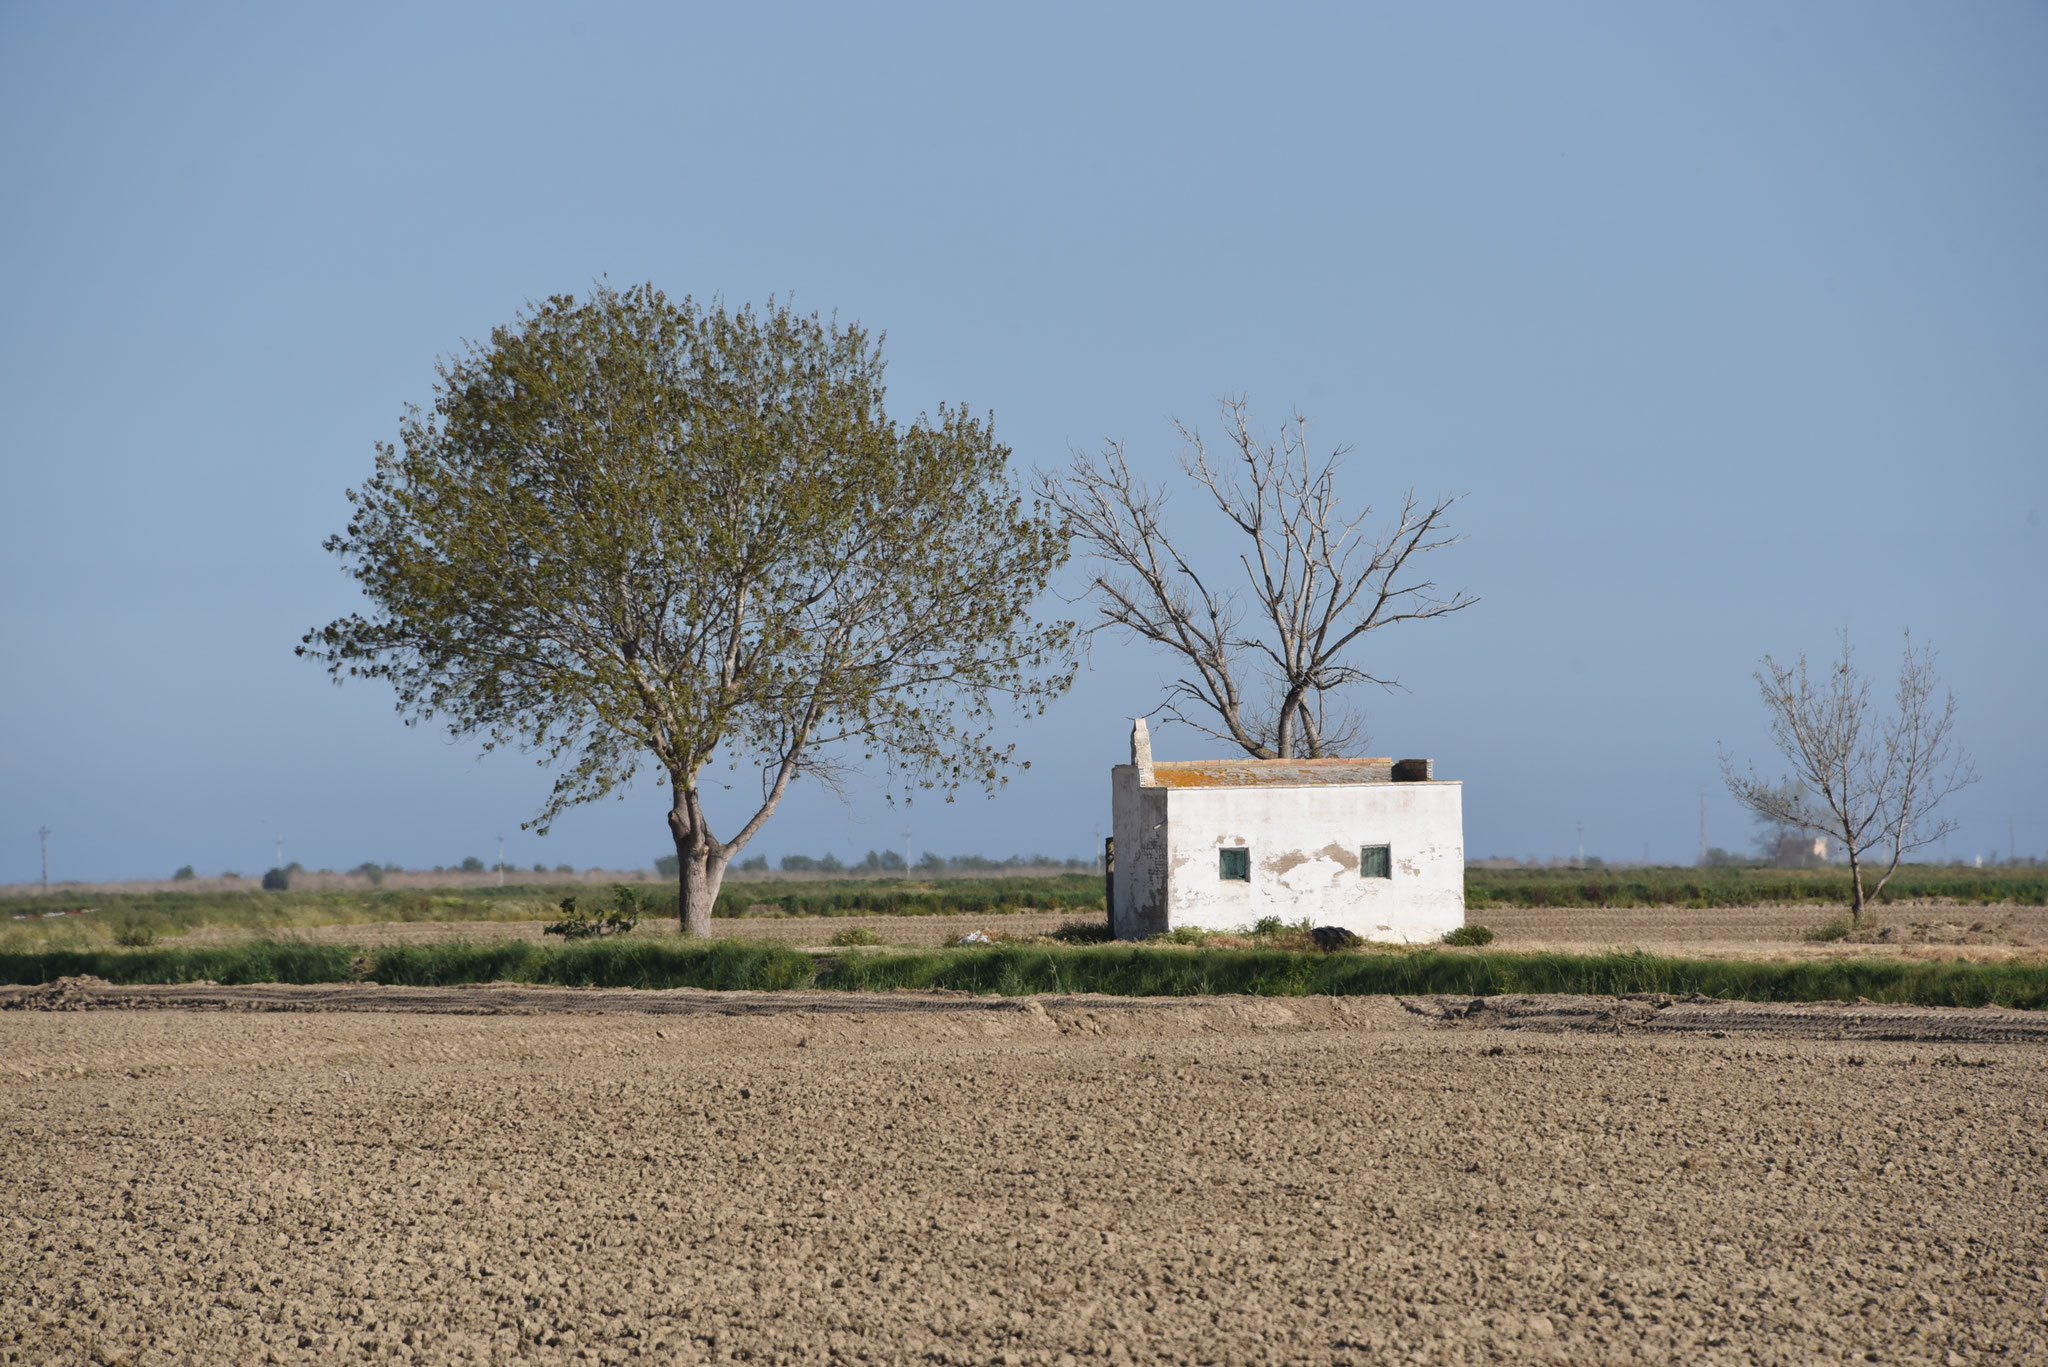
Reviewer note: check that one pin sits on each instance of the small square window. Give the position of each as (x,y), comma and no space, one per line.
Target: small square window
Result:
(1376,861)
(1234,866)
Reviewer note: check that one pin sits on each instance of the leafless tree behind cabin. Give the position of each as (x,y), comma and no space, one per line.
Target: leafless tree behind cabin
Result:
(1271,678)
(1870,782)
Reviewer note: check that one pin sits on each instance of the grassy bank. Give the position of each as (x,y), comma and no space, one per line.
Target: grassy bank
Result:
(1655,887)
(723,965)
(906,897)
(142,915)
(166,914)
(1118,970)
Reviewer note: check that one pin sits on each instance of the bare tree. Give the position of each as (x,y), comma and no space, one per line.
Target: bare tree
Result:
(1782,844)
(1870,782)
(1318,583)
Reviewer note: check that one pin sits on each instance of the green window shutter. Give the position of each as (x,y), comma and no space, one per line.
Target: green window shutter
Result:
(1376,861)
(1234,866)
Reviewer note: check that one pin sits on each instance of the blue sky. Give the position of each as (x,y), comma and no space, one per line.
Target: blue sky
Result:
(1730,321)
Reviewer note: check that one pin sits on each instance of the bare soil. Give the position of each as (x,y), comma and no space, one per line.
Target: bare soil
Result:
(538,1175)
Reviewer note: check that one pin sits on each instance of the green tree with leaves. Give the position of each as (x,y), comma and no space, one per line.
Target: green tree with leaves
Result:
(632,531)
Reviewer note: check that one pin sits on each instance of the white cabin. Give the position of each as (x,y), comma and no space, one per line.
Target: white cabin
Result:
(1376,846)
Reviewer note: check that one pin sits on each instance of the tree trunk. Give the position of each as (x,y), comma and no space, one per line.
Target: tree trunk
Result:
(697,892)
(1855,890)
(700,867)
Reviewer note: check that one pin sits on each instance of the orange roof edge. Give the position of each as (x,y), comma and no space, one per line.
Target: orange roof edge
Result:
(1205,763)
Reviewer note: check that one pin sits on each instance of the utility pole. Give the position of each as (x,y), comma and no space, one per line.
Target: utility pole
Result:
(906,851)
(1582,844)
(44,833)
(501,859)
(1703,826)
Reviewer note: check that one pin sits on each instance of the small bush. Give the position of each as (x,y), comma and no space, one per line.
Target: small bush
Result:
(1469,935)
(1270,932)
(1083,933)
(856,935)
(184,874)
(1837,929)
(1180,935)
(277,880)
(134,935)
(580,924)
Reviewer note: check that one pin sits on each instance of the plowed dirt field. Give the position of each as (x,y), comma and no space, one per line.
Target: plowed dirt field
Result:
(371,1176)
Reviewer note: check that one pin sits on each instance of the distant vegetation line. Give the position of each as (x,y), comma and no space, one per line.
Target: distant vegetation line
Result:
(912,895)
(1131,971)
(1737,887)
(172,913)
(139,917)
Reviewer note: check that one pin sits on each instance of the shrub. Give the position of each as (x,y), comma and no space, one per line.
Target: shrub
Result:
(371,870)
(277,880)
(472,864)
(1269,925)
(1837,929)
(580,924)
(1083,933)
(134,935)
(856,935)
(668,865)
(1469,935)
(184,875)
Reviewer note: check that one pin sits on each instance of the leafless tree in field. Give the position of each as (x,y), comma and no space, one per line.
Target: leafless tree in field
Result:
(1870,782)
(1319,583)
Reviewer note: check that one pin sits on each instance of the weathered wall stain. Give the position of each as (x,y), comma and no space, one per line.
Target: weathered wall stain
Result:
(1343,856)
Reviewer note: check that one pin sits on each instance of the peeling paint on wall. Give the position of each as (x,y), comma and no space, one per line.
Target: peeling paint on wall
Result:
(1304,842)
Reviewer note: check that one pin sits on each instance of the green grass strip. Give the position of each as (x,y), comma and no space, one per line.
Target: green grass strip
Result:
(259,962)
(1113,970)
(1486,889)
(1141,972)
(720,965)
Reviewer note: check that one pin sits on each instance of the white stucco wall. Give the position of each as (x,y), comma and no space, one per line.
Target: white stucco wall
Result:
(1138,821)
(1304,844)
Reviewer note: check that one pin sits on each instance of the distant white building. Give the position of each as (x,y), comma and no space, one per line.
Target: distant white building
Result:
(1373,845)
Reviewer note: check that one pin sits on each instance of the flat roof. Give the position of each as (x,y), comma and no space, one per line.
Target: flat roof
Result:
(1269,773)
